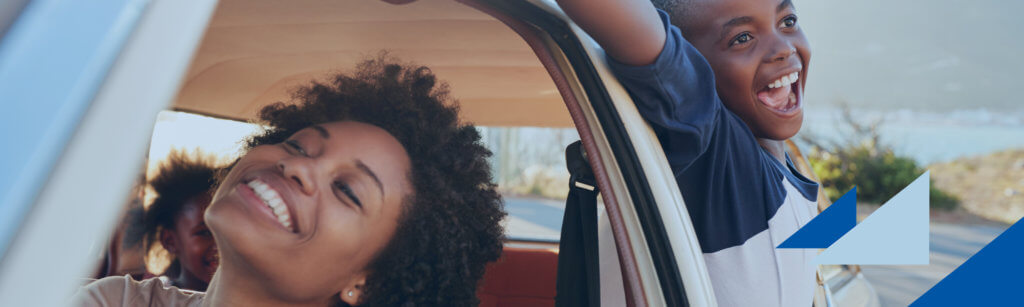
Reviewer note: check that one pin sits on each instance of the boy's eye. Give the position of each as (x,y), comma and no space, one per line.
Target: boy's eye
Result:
(345,189)
(743,38)
(788,22)
(294,145)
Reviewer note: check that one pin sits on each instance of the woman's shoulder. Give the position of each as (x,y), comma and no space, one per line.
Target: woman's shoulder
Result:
(125,291)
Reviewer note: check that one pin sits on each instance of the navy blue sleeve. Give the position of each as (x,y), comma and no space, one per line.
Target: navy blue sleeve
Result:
(676,94)
(731,186)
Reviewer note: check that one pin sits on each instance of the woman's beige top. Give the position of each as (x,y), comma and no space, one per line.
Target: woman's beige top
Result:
(116,291)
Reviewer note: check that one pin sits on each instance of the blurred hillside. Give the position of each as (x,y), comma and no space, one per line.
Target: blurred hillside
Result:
(991,186)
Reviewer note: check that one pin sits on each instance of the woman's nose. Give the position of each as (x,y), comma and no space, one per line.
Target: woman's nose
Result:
(298,170)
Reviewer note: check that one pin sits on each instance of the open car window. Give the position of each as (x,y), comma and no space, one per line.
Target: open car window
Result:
(529,168)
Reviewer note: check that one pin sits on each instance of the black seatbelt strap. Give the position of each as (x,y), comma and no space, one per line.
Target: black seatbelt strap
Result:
(578,282)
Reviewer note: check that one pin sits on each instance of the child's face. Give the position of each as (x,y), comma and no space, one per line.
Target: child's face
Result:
(194,246)
(751,44)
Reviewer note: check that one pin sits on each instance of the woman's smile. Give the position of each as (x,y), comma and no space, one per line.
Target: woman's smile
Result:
(267,196)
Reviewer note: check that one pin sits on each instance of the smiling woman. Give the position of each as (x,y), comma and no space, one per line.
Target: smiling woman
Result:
(363,191)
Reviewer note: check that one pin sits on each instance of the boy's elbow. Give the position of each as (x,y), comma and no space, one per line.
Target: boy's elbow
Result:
(644,52)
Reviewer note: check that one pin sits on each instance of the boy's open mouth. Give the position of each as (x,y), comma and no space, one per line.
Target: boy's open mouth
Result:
(781,95)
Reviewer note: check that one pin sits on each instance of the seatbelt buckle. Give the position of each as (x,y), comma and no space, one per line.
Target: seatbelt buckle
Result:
(584,186)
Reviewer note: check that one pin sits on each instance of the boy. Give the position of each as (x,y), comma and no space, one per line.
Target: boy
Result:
(723,132)
(175,219)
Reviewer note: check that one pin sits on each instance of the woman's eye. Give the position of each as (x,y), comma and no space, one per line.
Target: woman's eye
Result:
(743,38)
(344,188)
(788,22)
(297,147)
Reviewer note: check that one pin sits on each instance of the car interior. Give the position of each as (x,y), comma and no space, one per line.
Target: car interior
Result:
(254,52)
(250,57)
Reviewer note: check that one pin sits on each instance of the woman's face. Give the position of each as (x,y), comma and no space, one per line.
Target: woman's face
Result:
(306,216)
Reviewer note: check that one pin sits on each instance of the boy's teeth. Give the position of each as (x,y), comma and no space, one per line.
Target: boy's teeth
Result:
(272,199)
(785,80)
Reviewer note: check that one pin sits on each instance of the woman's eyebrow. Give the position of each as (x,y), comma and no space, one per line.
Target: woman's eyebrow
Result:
(323,132)
(366,169)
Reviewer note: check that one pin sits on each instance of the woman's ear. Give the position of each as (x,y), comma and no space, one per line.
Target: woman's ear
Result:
(169,241)
(351,295)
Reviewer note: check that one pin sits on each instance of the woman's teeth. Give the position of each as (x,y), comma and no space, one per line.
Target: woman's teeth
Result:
(785,80)
(273,200)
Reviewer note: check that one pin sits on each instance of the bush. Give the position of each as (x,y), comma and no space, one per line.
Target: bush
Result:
(862,161)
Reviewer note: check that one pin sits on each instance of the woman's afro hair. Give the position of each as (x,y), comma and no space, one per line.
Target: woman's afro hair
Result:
(449,228)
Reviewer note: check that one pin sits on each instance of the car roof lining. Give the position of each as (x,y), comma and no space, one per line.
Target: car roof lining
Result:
(256,52)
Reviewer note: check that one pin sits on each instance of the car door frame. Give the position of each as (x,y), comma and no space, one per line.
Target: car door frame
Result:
(62,233)
(658,250)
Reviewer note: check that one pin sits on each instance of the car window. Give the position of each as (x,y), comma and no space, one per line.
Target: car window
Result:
(9,10)
(187,131)
(51,65)
(529,168)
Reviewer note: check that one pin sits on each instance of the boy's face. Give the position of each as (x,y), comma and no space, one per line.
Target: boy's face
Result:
(192,242)
(750,45)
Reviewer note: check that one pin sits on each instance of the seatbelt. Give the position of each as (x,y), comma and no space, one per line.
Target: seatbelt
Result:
(578,281)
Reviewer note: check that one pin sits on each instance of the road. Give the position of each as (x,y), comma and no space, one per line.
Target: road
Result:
(951,245)
(534,217)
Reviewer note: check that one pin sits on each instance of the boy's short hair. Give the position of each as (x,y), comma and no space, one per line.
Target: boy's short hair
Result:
(678,11)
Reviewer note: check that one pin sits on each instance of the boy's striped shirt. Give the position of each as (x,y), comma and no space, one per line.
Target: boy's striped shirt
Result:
(743,202)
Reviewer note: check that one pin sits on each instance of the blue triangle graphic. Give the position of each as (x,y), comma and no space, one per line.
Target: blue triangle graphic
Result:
(989,278)
(828,226)
(896,233)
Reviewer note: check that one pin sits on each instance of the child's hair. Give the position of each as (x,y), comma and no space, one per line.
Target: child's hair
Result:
(449,228)
(179,179)
(678,11)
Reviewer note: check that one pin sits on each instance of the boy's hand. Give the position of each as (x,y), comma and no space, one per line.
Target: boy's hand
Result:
(629,30)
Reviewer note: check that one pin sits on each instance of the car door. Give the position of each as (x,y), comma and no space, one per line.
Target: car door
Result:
(80,82)
(661,259)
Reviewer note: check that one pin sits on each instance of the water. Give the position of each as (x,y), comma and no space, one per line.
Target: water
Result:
(945,74)
(928,137)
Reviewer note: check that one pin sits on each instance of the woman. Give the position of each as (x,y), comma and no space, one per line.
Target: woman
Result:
(367,192)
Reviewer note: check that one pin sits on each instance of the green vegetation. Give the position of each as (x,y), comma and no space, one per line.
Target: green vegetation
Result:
(861,160)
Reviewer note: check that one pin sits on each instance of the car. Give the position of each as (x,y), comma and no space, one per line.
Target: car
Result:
(87,88)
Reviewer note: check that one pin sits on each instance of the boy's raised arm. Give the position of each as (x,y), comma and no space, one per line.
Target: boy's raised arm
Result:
(629,30)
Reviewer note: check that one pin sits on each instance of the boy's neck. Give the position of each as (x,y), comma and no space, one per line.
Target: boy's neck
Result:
(185,280)
(774,147)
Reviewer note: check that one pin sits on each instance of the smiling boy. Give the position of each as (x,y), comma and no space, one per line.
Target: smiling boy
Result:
(721,84)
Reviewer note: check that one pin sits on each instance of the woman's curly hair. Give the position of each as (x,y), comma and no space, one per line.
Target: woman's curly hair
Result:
(449,228)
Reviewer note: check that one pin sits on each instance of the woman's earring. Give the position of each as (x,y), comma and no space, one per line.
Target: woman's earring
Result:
(350,293)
